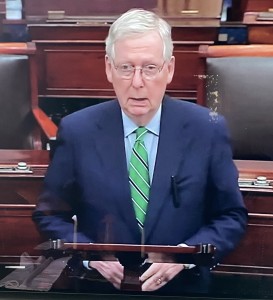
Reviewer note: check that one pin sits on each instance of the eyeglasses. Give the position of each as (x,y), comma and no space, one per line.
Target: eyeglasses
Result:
(127,71)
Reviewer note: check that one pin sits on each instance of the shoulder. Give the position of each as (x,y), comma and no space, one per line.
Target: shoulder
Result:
(93,110)
(189,112)
(92,114)
(87,121)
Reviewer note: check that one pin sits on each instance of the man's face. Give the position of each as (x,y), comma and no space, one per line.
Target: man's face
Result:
(138,96)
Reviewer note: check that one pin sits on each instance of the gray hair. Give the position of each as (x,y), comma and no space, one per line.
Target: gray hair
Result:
(139,21)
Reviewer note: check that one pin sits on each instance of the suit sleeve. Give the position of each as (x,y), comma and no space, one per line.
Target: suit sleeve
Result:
(226,214)
(57,202)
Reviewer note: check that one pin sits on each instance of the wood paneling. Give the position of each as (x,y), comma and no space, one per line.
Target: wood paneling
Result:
(259,5)
(254,253)
(17,231)
(18,234)
(18,198)
(259,32)
(71,59)
(84,7)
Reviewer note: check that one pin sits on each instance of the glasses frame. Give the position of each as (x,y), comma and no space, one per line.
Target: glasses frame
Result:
(135,68)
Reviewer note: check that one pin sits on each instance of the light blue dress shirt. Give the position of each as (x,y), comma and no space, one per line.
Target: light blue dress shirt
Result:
(150,139)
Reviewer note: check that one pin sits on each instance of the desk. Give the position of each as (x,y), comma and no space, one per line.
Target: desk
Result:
(18,197)
(254,254)
(259,32)
(248,270)
(251,263)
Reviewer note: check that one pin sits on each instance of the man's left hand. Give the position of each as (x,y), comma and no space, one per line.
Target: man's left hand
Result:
(158,274)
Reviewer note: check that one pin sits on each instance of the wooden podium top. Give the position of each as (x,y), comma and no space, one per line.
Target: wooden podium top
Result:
(129,254)
(205,249)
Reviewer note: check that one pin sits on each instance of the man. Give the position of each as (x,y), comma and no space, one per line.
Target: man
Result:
(192,194)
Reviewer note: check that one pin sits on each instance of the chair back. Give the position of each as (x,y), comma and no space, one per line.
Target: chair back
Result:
(17,130)
(237,83)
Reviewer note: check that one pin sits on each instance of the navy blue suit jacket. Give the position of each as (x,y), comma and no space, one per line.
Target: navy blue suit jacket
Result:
(88,177)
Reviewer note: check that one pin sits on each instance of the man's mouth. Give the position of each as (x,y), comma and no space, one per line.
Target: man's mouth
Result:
(138,99)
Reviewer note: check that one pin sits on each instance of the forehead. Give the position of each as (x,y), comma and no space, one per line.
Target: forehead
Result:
(140,46)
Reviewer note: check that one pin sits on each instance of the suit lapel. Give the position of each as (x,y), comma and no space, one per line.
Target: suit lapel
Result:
(110,132)
(171,153)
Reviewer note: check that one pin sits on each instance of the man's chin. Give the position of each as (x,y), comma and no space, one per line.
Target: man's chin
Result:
(139,111)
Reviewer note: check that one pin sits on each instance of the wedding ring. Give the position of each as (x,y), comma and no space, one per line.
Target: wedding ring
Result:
(159,281)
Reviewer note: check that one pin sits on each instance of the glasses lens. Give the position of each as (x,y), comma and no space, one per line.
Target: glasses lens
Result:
(125,71)
(150,71)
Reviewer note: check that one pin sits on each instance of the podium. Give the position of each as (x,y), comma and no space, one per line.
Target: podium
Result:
(132,256)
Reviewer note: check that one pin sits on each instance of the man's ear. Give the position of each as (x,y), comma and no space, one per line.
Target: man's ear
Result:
(171,67)
(108,69)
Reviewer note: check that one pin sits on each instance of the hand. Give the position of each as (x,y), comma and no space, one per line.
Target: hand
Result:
(112,271)
(158,275)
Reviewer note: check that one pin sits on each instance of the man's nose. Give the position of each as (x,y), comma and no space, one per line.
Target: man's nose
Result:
(137,80)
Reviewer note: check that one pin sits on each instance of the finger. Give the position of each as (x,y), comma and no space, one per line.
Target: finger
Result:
(153,283)
(111,271)
(152,270)
(160,275)
(171,270)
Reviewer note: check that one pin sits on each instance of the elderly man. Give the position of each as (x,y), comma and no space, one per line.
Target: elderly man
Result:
(116,164)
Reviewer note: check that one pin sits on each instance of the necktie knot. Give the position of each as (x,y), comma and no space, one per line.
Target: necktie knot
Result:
(140,133)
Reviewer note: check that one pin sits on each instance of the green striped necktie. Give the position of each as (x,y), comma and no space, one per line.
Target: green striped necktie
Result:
(139,176)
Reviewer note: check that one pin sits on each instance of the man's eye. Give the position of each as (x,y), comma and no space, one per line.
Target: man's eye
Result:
(150,67)
(126,67)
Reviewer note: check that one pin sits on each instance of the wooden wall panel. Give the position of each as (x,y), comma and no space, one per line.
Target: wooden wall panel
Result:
(18,233)
(19,194)
(18,197)
(71,59)
(20,190)
(259,5)
(84,7)
(254,253)
(2,7)
(82,72)
(184,81)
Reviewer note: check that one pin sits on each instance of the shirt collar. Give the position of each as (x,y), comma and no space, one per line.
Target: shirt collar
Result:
(153,126)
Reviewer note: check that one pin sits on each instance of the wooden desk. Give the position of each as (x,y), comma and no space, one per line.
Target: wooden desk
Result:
(247,271)
(259,32)
(19,193)
(254,253)
(18,197)
(251,262)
